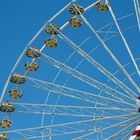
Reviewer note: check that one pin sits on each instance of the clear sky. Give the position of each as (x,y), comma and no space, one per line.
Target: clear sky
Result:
(19,22)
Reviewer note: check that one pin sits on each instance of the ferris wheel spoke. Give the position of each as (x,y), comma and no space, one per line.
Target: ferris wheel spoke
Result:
(99,44)
(68,78)
(127,135)
(82,59)
(76,125)
(71,95)
(68,114)
(25,135)
(50,106)
(106,128)
(114,58)
(124,40)
(59,127)
(107,39)
(43,114)
(66,61)
(93,98)
(85,78)
(100,67)
(126,16)
(118,19)
(132,74)
(110,32)
(27,108)
(47,135)
(54,135)
(86,113)
(115,32)
(125,65)
(92,5)
(63,110)
(111,23)
(122,130)
(58,114)
(137,11)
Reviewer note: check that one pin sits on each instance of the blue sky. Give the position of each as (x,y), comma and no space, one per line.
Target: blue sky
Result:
(20,20)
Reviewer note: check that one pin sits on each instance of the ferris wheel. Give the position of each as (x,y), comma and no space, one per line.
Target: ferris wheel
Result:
(78,78)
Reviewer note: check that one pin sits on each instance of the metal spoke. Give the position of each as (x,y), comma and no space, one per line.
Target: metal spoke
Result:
(100,67)
(114,79)
(122,130)
(124,40)
(137,11)
(127,135)
(84,78)
(63,110)
(78,123)
(73,93)
(105,128)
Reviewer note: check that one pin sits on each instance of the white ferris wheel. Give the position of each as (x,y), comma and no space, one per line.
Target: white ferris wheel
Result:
(78,78)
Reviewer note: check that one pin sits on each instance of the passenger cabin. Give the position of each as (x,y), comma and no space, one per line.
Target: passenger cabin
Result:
(5,123)
(31,67)
(3,136)
(76,10)
(15,94)
(33,53)
(51,43)
(6,107)
(52,29)
(17,79)
(102,7)
(75,22)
